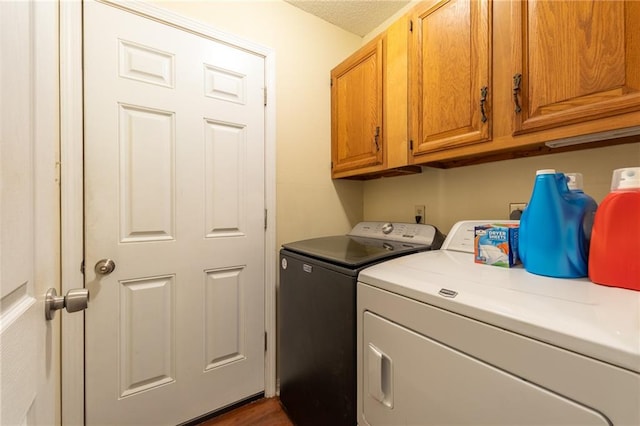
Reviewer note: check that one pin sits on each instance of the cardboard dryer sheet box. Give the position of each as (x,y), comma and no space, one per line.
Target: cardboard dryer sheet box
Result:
(496,244)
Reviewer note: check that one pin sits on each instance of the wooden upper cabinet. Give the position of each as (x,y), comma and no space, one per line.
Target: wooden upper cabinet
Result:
(356,110)
(449,75)
(578,61)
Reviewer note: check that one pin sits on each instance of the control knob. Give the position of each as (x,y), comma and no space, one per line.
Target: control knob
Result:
(387,228)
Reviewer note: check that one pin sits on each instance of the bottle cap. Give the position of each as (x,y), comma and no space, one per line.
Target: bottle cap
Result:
(627,178)
(546,172)
(574,181)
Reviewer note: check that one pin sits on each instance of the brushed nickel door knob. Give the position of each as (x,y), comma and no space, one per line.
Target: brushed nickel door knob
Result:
(105,266)
(76,300)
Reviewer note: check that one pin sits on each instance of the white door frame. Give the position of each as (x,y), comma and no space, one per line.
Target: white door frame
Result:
(72,232)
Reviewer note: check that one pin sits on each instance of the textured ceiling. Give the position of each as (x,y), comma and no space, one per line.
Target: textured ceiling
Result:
(356,16)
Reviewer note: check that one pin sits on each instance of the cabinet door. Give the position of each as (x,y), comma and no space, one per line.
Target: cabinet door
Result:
(578,61)
(356,110)
(450,57)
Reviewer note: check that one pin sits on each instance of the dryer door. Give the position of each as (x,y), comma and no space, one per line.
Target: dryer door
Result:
(409,379)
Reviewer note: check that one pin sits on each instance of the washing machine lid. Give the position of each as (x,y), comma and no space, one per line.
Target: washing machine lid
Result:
(351,251)
(370,242)
(575,314)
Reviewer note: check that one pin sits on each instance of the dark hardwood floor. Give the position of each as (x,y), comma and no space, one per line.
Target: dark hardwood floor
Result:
(263,412)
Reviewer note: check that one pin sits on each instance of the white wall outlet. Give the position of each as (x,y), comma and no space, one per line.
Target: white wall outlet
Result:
(419,213)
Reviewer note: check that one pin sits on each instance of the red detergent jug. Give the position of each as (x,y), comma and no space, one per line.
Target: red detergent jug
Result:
(614,256)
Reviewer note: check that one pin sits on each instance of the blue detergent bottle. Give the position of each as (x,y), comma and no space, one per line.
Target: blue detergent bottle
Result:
(555,228)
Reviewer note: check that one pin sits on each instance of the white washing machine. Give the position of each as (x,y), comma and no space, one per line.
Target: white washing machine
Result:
(444,341)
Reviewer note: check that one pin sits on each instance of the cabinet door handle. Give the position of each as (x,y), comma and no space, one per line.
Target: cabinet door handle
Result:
(517,80)
(376,138)
(483,100)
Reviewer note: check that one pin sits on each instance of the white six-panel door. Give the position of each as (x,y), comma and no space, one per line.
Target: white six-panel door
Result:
(174,195)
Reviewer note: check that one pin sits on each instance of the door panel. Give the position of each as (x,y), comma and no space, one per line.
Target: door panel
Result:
(147,178)
(224,342)
(174,190)
(29,215)
(147,342)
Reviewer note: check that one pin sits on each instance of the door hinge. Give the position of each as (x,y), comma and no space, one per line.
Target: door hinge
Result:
(331,82)
(82,267)
(266,217)
(411,144)
(265,341)
(265,96)
(411,26)
(332,165)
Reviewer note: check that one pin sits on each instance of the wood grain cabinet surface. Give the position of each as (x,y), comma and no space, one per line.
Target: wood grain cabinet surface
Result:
(369,108)
(459,82)
(578,61)
(449,75)
(356,110)
(559,70)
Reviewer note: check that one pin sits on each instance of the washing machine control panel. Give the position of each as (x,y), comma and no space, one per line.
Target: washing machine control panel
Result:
(415,233)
